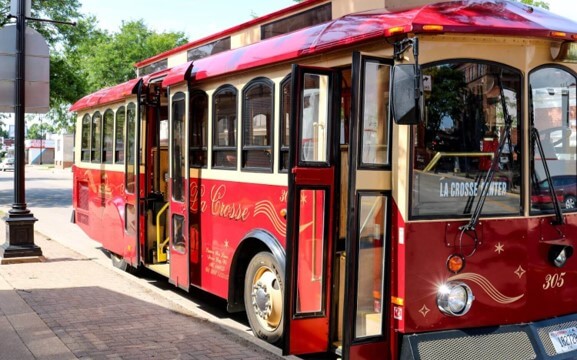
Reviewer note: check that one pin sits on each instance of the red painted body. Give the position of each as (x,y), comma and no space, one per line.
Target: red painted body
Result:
(226,210)
(509,272)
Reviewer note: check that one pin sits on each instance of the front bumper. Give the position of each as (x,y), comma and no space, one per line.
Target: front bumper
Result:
(507,342)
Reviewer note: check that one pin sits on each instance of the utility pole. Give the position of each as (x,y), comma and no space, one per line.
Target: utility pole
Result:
(20,221)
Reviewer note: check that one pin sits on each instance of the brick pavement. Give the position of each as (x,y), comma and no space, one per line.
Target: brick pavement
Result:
(71,306)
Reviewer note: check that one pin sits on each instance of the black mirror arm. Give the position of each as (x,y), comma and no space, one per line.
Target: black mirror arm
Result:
(418,90)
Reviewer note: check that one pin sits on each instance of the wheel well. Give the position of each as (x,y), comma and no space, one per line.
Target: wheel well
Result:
(253,244)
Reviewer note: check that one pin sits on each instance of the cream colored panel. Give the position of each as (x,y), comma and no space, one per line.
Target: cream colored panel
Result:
(177,59)
(373,180)
(401,161)
(245,37)
(246,177)
(344,7)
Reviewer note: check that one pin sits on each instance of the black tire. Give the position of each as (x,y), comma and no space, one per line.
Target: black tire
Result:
(570,202)
(263,297)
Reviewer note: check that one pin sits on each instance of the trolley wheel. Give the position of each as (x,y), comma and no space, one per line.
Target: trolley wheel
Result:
(570,202)
(263,297)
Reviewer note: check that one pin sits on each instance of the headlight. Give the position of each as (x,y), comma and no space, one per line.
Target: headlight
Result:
(454,298)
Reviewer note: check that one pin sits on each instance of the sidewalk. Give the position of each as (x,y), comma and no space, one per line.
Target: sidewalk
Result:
(74,306)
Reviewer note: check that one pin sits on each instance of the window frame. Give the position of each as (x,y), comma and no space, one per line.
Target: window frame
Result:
(284,123)
(119,137)
(302,24)
(521,140)
(107,153)
(387,165)
(178,166)
(130,144)
(533,211)
(247,126)
(217,149)
(202,146)
(96,147)
(85,152)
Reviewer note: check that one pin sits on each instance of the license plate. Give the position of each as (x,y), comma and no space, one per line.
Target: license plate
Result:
(564,340)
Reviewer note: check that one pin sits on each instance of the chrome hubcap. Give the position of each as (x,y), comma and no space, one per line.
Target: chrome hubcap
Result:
(267,298)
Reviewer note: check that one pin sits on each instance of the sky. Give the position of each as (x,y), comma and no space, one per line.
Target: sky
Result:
(195,18)
(198,19)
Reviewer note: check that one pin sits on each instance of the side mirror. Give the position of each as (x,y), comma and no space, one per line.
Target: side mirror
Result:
(406,95)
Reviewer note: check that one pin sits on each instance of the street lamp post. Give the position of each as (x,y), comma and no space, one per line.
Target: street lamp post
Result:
(20,221)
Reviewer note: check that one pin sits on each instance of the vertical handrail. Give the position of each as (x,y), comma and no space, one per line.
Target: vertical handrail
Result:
(160,253)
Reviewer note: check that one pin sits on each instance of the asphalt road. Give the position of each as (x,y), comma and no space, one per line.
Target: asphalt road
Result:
(48,194)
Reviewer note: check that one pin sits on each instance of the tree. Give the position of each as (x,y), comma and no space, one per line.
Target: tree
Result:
(109,59)
(84,58)
(66,85)
(538,3)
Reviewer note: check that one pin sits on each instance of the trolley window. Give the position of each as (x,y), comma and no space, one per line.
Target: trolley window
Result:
(224,131)
(458,142)
(257,125)
(285,107)
(130,148)
(108,135)
(198,129)
(178,146)
(119,136)
(553,102)
(85,152)
(375,115)
(95,140)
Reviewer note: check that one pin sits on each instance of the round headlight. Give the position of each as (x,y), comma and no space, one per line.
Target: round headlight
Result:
(454,298)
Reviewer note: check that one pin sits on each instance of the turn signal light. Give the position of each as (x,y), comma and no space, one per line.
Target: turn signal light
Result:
(432,28)
(559,34)
(397,30)
(455,263)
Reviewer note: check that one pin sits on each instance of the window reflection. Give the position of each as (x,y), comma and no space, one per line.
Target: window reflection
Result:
(375,135)
(553,101)
(96,137)
(258,103)
(85,152)
(224,128)
(311,249)
(459,141)
(370,264)
(108,133)
(314,126)
(178,147)
(119,136)
(130,148)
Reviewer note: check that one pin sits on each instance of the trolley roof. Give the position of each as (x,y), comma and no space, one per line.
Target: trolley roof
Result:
(490,17)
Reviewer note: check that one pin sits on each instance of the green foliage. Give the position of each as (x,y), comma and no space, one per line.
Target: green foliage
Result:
(538,3)
(84,58)
(109,58)
(39,131)
(447,97)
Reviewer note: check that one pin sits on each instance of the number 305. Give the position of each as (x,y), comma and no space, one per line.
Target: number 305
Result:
(553,281)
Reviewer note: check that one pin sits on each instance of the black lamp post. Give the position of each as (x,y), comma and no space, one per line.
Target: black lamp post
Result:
(20,221)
